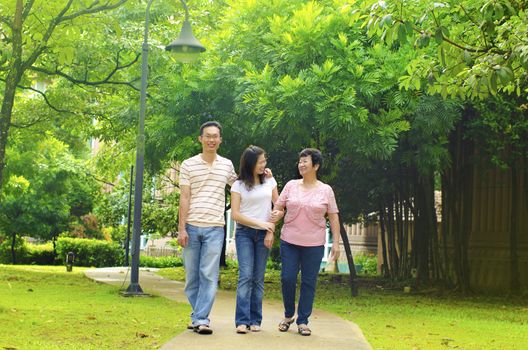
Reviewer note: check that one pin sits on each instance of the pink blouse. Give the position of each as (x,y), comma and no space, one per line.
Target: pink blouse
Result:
(305,222)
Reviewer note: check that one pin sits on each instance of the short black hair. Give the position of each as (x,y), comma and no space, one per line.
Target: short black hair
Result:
(315,154)
(210,123)
(248,162)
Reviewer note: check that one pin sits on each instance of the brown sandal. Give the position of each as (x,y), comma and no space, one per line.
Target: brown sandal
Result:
(203,329)
(285,324)
(304,330)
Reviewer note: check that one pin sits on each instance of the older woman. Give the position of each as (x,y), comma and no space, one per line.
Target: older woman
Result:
(308,202)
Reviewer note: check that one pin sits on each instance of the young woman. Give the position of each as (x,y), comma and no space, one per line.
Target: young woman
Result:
(251,198)
(307,202)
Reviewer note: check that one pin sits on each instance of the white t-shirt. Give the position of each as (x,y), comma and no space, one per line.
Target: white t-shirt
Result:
(256,203)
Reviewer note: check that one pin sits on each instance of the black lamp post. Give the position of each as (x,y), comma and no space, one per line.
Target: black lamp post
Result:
(186,48)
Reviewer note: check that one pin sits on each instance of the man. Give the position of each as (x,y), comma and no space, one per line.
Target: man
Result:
(203,179)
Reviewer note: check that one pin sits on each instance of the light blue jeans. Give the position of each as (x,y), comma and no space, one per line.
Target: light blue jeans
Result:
(252,256)
(201,260)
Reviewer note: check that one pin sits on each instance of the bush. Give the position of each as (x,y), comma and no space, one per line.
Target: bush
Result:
(41,254)
(160,262)
(90,252)
(369,264)
(27,254)
(21,251)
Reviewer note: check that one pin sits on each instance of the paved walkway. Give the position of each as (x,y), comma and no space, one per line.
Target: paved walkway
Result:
(329,331)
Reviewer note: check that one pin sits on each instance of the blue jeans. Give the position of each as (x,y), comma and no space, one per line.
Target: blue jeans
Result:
(252,256)
(201,259)
(308,261)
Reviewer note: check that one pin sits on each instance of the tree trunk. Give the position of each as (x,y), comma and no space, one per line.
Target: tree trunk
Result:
(350,261)
(391,230)
(13,78)
(515,285)
(13,245)
(458,184)
(385,266)
(445,229)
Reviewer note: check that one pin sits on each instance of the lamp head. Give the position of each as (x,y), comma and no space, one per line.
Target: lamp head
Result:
(186,48)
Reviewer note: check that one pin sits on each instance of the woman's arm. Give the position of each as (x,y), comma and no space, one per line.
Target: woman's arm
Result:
(274,194)
(244,220)
(335,228)
(278,210)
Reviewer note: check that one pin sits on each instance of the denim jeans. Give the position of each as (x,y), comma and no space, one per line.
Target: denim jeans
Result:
(252,256)
(308,261)
(201,259)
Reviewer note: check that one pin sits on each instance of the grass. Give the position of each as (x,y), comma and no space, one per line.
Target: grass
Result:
(393,320)
(44,307)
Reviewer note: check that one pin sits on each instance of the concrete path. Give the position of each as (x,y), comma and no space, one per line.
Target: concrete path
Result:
(329,331)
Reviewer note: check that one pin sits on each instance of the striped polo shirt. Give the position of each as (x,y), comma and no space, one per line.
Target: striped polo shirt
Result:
(207,184)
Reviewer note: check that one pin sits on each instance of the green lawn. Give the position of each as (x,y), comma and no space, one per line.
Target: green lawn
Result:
(44,307)
(394,320)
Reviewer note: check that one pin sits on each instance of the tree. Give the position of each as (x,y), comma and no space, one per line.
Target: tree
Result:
(39,40)
(47,189)
(476,50)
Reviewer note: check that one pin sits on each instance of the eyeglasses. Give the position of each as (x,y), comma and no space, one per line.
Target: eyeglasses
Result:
(211,137)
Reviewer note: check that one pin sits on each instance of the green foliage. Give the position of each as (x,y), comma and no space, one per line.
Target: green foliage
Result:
(21,250)
(46,188)
(160,261)
(472,49)
(90,252)
(111,206)
(368,262)
(27,254)
(39,254)
(160,216)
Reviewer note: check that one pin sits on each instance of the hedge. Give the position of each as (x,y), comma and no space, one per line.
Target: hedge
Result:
(160,262)
(90,252)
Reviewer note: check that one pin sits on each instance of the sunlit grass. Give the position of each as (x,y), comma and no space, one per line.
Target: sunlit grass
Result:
(44,307)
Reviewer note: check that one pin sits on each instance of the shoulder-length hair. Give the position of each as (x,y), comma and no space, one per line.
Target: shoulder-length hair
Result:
(248,162)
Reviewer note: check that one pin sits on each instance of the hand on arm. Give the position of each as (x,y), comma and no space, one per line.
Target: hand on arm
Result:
(335,228)
(276,215)
(185,201)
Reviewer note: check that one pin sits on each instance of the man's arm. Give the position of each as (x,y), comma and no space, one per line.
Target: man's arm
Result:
(185,201)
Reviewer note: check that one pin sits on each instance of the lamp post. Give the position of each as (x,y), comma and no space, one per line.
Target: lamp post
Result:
(186,48)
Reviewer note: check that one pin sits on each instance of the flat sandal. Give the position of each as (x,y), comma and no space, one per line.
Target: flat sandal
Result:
(285,324)
(304,330)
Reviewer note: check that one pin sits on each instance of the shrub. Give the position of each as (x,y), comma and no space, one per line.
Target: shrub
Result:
(160,262)
(90,252)
(39,254)
(369,264)
(21,251)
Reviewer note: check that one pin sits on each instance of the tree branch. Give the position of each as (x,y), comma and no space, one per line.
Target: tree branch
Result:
(85,81)
(91,9)
(27,8)
(45,99)
(61,17)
